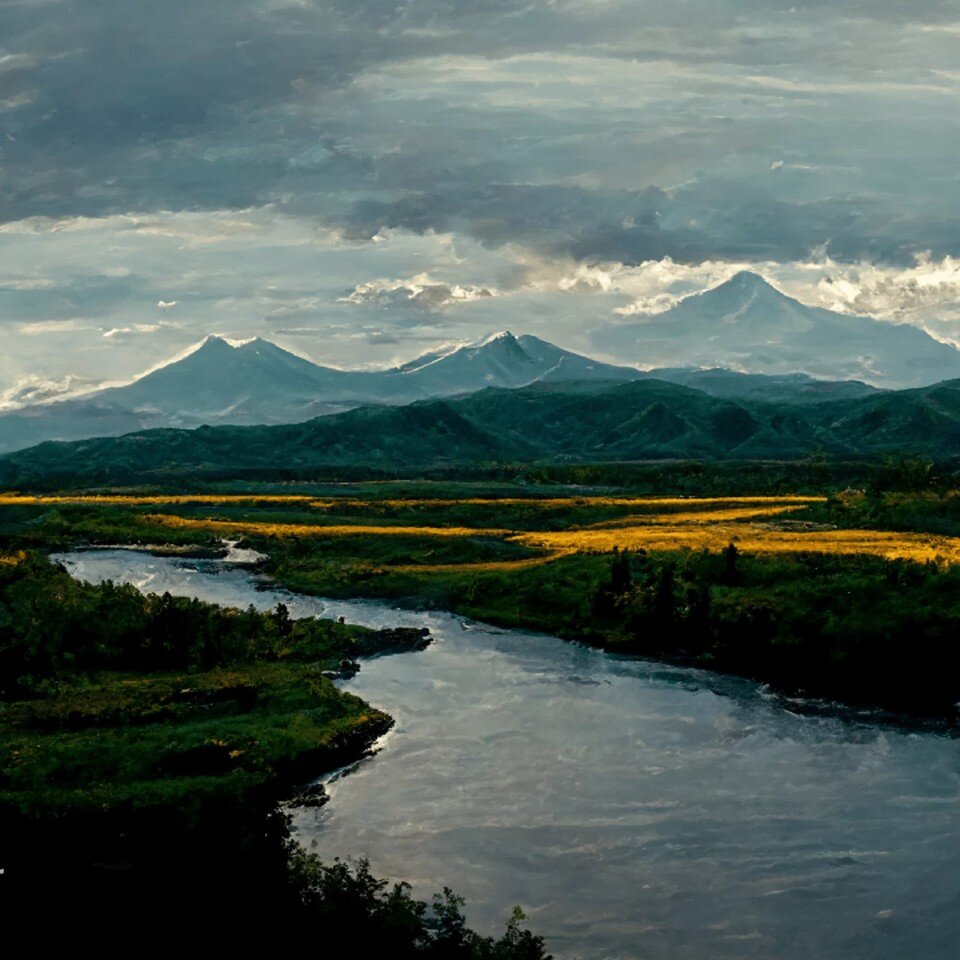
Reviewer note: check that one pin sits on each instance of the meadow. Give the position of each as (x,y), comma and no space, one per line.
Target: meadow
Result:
(498,533)
(137,728)
(848,595)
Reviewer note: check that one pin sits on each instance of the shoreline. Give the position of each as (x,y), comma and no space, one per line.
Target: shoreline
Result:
(825,700)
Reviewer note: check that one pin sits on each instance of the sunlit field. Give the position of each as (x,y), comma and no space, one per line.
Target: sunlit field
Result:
(758,525)
(839,574)
(237,528)
(753,538)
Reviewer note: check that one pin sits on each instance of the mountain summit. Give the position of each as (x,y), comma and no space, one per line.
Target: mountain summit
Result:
(258,382)
(746,324)
(497,359)
(503,360)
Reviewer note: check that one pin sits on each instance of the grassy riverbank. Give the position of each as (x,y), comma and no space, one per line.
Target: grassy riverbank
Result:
(849,595)
(131,723)
(145,743)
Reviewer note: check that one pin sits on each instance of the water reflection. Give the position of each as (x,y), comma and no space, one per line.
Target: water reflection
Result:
(634,810)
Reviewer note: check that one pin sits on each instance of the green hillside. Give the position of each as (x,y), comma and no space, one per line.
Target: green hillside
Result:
(546,423)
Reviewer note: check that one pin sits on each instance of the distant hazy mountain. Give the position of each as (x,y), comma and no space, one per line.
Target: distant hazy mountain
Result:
(256,382)
(579,422)
(260,383)
(784,388)
(502,360)
(746,324)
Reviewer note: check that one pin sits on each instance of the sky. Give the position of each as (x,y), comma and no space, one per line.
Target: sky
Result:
(363,180)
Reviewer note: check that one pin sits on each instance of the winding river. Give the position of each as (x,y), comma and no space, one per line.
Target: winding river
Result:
(633,810)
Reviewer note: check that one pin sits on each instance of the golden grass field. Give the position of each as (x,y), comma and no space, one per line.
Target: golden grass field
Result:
(240,527)
(713,526)
(757,538)
(754,524)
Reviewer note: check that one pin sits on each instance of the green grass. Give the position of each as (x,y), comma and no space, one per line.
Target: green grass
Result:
(162,738)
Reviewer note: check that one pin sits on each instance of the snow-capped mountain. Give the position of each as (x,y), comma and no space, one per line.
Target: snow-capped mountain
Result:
(748,325)
(503,360)
(258,382)
(255,381)
(743,324)
(498,360)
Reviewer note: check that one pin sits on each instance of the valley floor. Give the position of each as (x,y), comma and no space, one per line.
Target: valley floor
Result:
(824,594)
(125,718)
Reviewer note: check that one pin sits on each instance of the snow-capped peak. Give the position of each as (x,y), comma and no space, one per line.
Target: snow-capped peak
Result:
(502,336)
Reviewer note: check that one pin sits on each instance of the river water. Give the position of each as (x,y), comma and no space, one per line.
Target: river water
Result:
(633,810)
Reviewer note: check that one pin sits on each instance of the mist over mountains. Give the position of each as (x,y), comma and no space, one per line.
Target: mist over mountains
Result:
(779,350)
(257,382)
(747,324)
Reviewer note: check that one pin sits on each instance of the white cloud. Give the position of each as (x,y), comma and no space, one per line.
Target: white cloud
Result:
(420,291)
(927,293)
(27,283)
(135,329)
(649,287)
(16,61)
(43,327)
(18,100)
(35,389)
(947,28)
(254,226)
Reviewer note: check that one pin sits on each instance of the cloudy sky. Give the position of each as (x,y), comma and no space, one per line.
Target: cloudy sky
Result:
(360,180)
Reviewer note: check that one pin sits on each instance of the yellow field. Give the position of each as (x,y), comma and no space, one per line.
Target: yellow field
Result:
(693,518)
(751,526)
(316,530)
(701,516)
(751,538)
(672,523)
(558,502)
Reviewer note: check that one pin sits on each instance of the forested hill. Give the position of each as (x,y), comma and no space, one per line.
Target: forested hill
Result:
(582,422)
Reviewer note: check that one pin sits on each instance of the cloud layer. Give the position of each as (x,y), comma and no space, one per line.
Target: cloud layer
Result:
(358,177)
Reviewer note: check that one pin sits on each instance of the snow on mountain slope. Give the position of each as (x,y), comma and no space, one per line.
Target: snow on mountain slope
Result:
(258,382)
(743,324)
(746,324)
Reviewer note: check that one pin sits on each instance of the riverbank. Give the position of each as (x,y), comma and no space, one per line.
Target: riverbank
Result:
(154,747)
(850,597)
(634,809)
(145,742)
(858,630)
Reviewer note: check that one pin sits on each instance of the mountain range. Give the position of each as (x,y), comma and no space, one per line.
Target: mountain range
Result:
(744,323)
(578,422)
(257,382)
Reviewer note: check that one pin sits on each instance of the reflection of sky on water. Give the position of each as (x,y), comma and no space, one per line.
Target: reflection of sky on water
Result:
(632,809)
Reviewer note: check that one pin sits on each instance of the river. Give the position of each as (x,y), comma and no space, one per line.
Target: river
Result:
(633,810)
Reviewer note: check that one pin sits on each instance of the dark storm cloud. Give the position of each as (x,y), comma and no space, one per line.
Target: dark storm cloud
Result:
(628,131)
